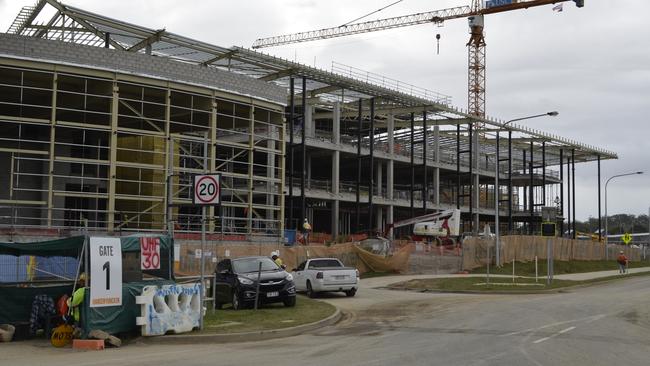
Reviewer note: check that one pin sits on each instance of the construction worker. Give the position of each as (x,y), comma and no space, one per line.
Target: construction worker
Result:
(77,299)
(622,262)
(278,261)
(306,228)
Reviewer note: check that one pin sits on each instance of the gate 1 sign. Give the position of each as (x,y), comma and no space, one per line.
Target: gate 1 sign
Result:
(105,272)
(207,189)
(149,253)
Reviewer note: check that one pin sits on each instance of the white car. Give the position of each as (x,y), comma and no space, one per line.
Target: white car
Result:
(325,275)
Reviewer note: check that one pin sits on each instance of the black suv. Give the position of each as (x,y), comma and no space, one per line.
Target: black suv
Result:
(236,283)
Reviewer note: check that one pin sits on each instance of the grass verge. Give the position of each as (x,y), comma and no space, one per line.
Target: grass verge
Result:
(271,316)
(559,267)
(498,284)
(377,274)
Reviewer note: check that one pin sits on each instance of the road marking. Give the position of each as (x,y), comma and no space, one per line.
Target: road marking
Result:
(554,335)
(566,330)
(588,319)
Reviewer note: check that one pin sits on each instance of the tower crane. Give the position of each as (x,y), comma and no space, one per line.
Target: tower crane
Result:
(476,44)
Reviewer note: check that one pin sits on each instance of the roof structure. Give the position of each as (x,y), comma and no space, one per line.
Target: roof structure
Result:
(50,19)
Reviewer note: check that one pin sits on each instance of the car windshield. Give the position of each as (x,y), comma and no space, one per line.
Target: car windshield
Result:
(246,265)
(325,263)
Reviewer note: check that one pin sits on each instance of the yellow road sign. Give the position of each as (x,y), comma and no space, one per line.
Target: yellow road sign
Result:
(62,335)
(627,238)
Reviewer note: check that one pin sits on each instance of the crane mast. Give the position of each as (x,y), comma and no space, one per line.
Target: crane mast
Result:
(476,63)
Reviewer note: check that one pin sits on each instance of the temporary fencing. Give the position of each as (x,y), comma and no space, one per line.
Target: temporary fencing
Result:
(526,248)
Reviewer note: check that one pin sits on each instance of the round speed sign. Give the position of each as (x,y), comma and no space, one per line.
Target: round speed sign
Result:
(207,189)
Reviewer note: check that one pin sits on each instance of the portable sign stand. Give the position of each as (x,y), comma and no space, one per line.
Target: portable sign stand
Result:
(549,231)
(206,191)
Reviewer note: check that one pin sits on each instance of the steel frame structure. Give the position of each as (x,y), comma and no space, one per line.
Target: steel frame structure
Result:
(402,125)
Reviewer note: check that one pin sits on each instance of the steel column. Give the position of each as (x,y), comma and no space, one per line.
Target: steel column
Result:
(525,168)
(425,190)
(458,197)
(509,182)
(599,215)
(531,191)
(543,173)
(568,192)
(562,192)
(573,188)
(412,163)
(497,201)
(358,193)
(471,180)
(371,178)
(292,107)
(303,148)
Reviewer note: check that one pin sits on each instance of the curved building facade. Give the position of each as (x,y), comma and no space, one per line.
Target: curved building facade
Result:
(111,139)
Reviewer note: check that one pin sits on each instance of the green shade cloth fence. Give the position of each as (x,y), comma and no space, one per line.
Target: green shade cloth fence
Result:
(16,301)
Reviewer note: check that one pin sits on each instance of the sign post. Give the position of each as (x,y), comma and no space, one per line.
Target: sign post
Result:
(206,192)
(549,231)
(105,272)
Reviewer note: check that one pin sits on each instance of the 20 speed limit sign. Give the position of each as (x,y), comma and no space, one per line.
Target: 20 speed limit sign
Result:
(207,189)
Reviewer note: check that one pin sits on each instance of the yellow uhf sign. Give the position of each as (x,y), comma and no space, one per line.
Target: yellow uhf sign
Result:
(627,238)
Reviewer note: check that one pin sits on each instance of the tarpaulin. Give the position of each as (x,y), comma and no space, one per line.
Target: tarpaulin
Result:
(16,302)
(349,253)
(117,319)
(67,247)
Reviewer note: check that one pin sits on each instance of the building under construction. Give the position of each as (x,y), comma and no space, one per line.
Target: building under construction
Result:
(105,122)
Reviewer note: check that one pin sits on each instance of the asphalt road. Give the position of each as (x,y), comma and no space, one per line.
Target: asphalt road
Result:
(608,324)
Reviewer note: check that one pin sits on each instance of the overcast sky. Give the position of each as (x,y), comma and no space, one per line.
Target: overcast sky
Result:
(590,64)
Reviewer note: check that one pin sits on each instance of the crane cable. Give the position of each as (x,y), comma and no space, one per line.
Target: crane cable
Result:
(371,13)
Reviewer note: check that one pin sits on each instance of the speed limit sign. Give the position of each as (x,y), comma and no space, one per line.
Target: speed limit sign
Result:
(207,189)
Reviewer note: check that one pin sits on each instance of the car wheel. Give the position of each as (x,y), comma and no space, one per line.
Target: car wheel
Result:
(236,305)
(310,291)
(351,292)
(290,302)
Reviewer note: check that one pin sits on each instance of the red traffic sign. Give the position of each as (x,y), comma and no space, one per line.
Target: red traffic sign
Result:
(207,189)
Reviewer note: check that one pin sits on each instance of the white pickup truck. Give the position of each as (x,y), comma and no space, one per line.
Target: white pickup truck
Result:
(325,275)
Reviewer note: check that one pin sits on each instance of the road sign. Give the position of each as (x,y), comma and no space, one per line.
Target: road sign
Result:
(548,229)
(105,272)
(549,213)
(207,189)
(627,238)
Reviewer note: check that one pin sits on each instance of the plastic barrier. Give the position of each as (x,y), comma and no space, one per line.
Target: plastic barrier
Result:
(169,309)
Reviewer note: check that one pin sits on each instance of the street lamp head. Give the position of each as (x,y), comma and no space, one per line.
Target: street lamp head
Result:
(553,113)
(639,172)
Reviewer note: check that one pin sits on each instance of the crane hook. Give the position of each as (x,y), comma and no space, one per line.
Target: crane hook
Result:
(438,43)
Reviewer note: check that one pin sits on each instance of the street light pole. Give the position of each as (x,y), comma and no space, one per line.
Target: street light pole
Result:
(606,232)
(497,241)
